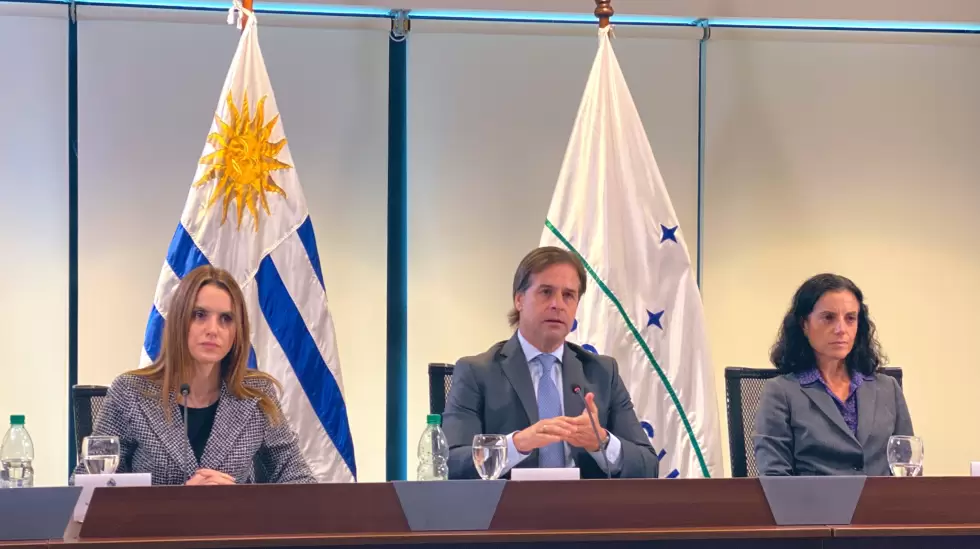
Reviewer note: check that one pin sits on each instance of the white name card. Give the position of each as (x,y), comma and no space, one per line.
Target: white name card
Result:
(90,482)
(975,468)
(553,473)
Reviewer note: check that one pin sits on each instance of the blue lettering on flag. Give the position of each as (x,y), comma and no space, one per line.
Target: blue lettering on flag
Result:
(648,429)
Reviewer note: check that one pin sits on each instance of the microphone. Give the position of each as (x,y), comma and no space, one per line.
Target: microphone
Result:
(185,390)
(577,389)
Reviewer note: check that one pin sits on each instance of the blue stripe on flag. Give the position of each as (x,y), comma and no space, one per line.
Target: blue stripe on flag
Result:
(153,337)
(252,363)
(184,256)
(305,233)
(300,348)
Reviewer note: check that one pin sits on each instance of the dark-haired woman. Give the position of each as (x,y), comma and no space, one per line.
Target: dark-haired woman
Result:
(831,412)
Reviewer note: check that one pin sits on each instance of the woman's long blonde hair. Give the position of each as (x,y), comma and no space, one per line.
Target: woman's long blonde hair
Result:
(175,365)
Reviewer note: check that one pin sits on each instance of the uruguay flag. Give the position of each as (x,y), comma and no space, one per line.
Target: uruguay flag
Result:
(643,308)
(246,213)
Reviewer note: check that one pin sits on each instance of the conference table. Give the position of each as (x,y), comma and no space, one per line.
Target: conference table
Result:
(668,513)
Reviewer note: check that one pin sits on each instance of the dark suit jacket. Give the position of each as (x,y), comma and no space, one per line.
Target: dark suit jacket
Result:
(242,437)
(800,431)
(493,393)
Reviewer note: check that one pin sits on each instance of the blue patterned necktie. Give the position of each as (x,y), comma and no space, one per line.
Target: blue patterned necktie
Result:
(549,406)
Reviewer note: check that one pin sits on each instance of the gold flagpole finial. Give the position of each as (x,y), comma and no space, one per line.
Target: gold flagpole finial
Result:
(604,10)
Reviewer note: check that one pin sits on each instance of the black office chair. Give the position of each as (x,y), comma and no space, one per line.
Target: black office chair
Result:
(86,402)
(440,381)
(743,390)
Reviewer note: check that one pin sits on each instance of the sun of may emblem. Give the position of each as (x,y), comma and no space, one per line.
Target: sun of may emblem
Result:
(243,161)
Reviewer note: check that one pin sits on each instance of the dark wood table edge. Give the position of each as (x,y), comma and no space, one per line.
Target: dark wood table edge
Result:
(905,530)
(482,537)
(474,537)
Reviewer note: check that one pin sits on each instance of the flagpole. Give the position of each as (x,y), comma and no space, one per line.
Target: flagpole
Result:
(247,4)
(604,10)
(702,102)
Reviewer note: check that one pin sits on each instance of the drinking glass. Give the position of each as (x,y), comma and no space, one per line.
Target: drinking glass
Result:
(100,454)
(489,455)
(905,455)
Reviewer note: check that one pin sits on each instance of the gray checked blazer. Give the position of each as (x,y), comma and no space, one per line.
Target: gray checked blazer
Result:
(241,438)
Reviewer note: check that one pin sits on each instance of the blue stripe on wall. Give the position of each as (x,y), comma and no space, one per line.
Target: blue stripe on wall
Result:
(306,236)
(184,256)
(294,337)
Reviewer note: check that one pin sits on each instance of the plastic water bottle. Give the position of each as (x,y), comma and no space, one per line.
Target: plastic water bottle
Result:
(17,456)
(433,451)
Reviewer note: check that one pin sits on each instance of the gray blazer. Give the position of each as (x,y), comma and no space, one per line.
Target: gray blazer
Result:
(493,393)
(241,438)
(800,431)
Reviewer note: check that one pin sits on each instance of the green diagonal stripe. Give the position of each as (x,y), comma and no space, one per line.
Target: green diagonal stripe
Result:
(643,344)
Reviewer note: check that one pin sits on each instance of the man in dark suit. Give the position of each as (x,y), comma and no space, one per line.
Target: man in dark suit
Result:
(523,387)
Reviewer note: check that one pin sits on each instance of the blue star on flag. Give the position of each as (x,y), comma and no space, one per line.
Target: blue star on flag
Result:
(654,319)
(668,233)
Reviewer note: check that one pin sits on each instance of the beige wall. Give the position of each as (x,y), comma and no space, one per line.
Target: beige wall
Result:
(846,152)
(148,85)
(34,232)
(843,152)
(491,108)
(854,154)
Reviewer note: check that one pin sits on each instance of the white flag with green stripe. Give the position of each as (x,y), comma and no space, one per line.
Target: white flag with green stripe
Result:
(643,306)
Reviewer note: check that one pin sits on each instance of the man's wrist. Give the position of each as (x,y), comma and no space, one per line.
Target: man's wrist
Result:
(517,444)
(603,440)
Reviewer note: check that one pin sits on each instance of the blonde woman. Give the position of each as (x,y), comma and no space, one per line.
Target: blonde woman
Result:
(234,420)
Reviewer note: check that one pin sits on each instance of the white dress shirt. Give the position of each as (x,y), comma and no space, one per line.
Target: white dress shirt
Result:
(613,449)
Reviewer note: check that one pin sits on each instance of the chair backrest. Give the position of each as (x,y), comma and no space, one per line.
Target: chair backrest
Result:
(440,381)
(894,372)
(86,401)
(743,390)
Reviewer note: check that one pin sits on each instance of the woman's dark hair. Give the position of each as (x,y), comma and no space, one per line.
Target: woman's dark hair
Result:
(792,352)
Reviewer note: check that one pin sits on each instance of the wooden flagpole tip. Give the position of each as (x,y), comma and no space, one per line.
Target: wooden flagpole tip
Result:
(247,4)
(604,10)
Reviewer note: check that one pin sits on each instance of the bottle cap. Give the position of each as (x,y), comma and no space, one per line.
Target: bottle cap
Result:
(433,419)
(16,420)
